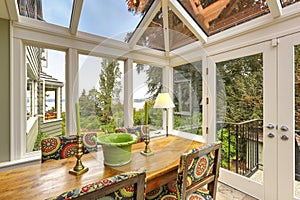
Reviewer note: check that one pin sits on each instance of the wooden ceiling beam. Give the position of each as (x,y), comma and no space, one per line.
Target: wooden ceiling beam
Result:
(185,17)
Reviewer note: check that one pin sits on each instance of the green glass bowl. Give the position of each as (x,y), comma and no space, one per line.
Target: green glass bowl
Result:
(116,148)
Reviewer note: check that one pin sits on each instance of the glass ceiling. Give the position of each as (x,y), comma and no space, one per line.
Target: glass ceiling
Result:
(120,19)
(110,19)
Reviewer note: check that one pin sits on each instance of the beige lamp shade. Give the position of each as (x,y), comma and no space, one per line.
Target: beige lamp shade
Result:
(163,100)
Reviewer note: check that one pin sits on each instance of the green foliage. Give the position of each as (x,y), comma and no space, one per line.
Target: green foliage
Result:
(63,123)
(101,109)
(37,144)
(240,89)
(154,118)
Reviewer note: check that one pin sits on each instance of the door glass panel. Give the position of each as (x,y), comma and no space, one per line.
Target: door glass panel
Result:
(297,120)
(239,115)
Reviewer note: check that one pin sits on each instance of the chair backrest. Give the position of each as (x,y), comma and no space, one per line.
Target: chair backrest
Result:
(139,131)
(197,168)
(130,185)
(59,147)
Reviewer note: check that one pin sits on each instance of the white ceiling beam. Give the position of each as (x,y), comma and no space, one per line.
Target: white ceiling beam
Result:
(185,17)
(275,8)
(137,34)
(12,9)
(76,12)
(165,12)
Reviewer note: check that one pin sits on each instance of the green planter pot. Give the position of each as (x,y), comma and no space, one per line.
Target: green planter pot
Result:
(116,148)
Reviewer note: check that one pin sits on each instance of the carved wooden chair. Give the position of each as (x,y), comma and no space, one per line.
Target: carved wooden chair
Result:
(54,148)
(127,186)
(197,168)
(139,131)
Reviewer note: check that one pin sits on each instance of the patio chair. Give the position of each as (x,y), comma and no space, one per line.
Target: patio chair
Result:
(197,168)
(139,131)
(59,147)
(129,186)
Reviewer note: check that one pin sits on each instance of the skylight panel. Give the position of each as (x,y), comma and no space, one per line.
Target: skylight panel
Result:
(111,19)
(57,12)
(214,16)
(285,3)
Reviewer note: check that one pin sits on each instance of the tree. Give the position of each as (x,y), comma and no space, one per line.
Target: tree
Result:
(240,89)
(109,90)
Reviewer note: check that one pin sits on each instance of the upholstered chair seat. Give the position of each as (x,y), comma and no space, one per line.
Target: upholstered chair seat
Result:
(197,176)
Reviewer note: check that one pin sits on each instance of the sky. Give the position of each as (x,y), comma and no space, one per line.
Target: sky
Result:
(109,18)
(97,17)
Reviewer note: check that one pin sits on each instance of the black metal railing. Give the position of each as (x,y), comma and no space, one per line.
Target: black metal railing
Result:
(241,145)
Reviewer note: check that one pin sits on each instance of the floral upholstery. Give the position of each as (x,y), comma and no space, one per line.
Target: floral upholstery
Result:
(89,142)
(194,167)
(60,147)
(139,131)
(125,191)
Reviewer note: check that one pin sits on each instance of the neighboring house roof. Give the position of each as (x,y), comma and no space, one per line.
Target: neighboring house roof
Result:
(50,81)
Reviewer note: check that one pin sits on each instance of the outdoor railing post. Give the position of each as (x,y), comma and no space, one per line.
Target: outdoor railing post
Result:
(237,149)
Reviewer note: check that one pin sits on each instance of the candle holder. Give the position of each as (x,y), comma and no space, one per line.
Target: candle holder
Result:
(79,168)
(147,151)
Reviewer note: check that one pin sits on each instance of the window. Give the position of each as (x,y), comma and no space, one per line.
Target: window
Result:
(147,83)
(45,70)
(101,93)
(187,86)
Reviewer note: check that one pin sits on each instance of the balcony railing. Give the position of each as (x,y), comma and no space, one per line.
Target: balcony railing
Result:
(241,146)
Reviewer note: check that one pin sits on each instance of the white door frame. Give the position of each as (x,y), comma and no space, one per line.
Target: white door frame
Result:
(258,190)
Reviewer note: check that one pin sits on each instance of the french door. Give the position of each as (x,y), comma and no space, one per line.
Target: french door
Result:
(245,100)
(266,74)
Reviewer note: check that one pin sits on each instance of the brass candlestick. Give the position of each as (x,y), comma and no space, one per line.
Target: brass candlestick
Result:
(79,168)
(147,151)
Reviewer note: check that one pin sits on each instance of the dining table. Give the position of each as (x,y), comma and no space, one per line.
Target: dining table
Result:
(51,178)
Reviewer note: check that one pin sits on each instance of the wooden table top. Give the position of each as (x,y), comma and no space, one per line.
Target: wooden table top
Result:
(52,178)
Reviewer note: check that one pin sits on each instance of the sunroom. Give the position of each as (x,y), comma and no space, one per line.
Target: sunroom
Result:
(231,68)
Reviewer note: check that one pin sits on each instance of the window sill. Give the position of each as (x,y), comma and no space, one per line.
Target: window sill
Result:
(28,159)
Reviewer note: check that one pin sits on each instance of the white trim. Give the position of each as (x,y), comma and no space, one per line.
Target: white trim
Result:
(156,5)
(39,33)
(185,17)
(76,12)
(72,89)
(18,101)
(166,31)
(275,7)
(128,93)
(12,10)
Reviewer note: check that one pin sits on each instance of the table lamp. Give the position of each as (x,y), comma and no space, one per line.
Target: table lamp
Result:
(164,101)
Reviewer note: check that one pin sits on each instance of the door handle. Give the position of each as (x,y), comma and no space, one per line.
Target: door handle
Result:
(284,137)
(270,126)
(271,135)
(284,128)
